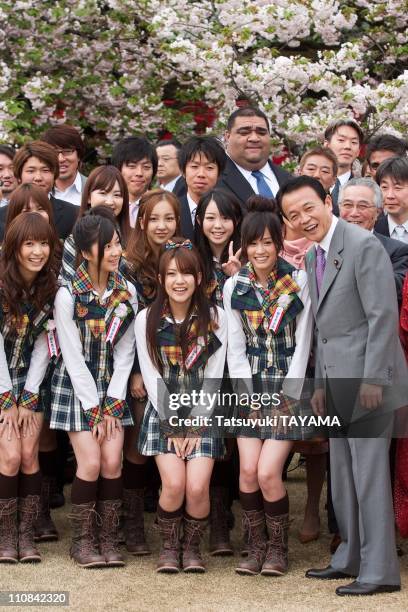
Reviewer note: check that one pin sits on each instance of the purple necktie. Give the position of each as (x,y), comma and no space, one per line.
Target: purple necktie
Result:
(320,267)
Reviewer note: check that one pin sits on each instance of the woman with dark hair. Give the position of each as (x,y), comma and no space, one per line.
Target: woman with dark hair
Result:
(27,290)
(93,316)
(181,342)
(217,236)
(105,187)
(269,338)
(157,222)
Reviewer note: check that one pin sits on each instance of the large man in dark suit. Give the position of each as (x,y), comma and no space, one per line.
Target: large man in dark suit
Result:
(37,162)
(360,362)
(248,170)
(360,203)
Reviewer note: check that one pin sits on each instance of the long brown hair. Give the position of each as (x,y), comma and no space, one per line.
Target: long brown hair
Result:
(188,262)
(14,290)
(139,253)
(105,177)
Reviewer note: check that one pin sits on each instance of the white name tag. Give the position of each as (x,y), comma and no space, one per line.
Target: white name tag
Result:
(52,341)
(113,329)
(194,353)
(276,319)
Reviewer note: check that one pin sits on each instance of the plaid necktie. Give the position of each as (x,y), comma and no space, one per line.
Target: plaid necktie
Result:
(263,187)
(320,267)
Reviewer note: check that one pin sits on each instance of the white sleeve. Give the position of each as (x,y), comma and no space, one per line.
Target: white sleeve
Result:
(70,343)
(238,365)
(5,380)
(40,359)
(150,374)
(294,380)
(123,356)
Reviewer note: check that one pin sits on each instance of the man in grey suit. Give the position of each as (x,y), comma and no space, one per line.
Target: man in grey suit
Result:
(358,360)
(360,202)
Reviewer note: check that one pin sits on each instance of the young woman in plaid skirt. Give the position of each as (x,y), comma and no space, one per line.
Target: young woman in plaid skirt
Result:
(269,338)
(158,220)
(181,342)
(27,290)
(94,319)
(217,235)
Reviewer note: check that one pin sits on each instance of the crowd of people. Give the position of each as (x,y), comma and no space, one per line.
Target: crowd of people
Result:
(204,267)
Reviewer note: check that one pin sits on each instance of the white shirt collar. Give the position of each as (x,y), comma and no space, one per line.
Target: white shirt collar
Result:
(325,243)
(344,178)
(170,185)
(191,203)
(268,173)
(392,224)
(72,193)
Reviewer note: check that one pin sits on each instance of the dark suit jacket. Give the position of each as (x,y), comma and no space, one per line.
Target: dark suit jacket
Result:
(232,180)
(180,188)
(187,228)
(65,215)
(381,227)
(398,253)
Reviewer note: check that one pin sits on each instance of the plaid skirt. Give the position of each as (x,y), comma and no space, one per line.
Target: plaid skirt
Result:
(152,441)
(269,383)
(18,377)
(66,412)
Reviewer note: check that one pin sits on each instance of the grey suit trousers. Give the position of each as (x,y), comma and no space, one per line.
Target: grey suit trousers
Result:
(362,502)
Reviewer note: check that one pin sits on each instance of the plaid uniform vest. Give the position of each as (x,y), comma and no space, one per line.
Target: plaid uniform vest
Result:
(266,349)
(215,286)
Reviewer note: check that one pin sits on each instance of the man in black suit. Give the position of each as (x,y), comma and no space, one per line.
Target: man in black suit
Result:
(37,163)
(248,170)
(168,170)
(382,147)
(201,159)
(360,203)
(392,177)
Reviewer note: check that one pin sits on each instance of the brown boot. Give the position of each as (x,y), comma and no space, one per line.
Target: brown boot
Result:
(133,508)
(169,556)
(109,511)
(8,531)
(44,528)
(220,544)
(276,560)
(84,547)
(28,511)
(254,523)
(193,533)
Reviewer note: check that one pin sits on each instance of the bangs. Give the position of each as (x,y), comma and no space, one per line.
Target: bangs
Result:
(31,226)
(186,260)
(106,180)
(254,226)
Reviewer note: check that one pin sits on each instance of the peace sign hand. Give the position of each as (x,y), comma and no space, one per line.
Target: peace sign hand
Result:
(233,264)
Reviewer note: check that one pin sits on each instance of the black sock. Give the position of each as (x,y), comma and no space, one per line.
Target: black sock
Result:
(195,518)
(48,463)
(169,515)
(134,475)
(220,475)
(251,501)
(8,486)
(83,491)
(276,508)
(110,488)
(29,484)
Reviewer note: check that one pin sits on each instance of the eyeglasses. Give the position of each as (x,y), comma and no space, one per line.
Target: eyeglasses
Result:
(64,152)
(166,159)
(374,165)
(359,207)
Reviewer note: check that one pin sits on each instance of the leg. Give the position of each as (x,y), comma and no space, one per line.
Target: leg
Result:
(315,475)
(10,458)
(84,547)
(29,494)
(45,530)
(170,510)
(220,544)
(276,503)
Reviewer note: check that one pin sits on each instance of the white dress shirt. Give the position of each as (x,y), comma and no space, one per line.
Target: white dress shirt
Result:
(70,343)
(36,372)
(193,208)
(398,231)
(325,243)
(171,184)
(133,212)
(3,202)
(73,193)
(268,174)
(238,364)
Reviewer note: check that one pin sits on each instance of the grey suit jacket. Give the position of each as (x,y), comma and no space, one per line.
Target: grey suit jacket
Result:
(356,312)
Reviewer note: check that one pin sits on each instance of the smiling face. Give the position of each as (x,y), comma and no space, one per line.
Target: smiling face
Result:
(217,228)
(307,213)
(345,144)
(138,176)
(395,196)
(7,176)
(111,255)
(37,172)
(321,168)
(33,206)
(68,162)
(179,286)
(358,206)
(161,225)
(262,254)
(249,142)
(32,257)
(112,198)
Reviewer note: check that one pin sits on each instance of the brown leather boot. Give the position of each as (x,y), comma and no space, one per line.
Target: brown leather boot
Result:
(169,556)
(276,560)
(84,547)
(8,531)
(44,528)
(220,544)
(109,511)
(254,524)
(133,508)
(192,560)
(28,510)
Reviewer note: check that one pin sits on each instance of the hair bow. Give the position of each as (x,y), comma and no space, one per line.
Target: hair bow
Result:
(187,244)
